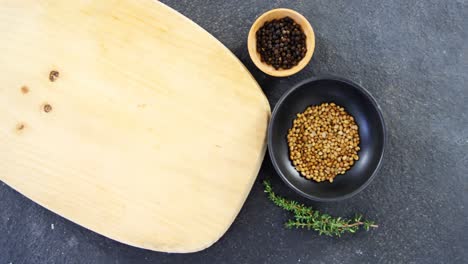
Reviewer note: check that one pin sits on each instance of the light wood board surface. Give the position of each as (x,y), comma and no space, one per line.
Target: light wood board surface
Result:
(152,134)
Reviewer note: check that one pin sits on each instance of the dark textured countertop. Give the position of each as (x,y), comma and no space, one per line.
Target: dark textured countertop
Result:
(413,57)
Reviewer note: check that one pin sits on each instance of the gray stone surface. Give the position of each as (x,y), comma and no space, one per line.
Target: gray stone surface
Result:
(412,56)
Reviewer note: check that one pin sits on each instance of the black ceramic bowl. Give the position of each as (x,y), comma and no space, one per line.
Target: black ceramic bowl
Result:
(356,101)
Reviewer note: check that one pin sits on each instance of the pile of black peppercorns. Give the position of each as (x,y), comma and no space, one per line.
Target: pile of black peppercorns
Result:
(281,43)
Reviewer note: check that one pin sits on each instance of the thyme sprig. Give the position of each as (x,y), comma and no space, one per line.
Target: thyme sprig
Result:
(324,224)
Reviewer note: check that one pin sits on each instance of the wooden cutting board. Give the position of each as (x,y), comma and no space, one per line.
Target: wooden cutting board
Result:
(152,133)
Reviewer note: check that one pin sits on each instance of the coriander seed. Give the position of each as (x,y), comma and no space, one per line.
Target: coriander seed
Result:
(323,142)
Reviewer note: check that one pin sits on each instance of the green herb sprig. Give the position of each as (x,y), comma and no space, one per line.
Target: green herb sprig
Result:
(324,224)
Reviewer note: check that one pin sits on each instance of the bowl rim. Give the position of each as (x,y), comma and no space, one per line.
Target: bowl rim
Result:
(273,119)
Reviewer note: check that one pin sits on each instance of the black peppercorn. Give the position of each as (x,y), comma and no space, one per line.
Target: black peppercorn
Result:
(281,43)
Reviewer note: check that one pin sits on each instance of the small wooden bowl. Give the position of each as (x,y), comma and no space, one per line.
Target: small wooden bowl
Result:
(277,14)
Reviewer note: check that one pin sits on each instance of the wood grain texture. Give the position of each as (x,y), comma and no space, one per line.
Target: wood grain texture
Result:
(152,134)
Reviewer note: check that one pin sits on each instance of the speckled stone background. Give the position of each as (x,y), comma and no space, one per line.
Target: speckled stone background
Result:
(412,56)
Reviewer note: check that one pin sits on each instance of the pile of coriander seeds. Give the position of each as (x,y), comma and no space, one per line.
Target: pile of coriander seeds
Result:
(323,142)
(281,43)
